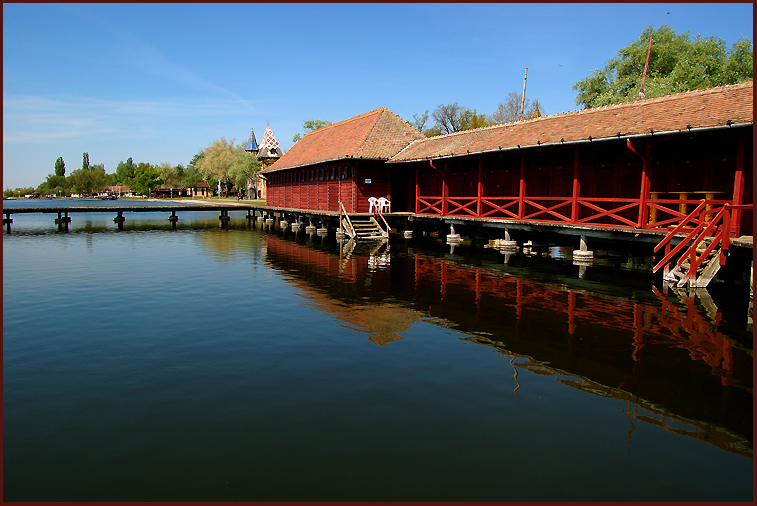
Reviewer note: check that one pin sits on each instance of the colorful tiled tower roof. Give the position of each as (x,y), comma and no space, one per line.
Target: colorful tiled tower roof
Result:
(269,146)
(252,144)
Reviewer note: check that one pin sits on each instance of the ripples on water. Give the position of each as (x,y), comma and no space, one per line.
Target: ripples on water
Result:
(235,364)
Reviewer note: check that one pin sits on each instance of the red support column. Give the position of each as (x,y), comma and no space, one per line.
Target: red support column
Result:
(522,187)
(445,190)
(480,193)
(576,190)
(417,187)
(738,190)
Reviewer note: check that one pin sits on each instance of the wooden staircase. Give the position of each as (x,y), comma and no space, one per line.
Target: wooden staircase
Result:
(362,228)
(706,270)
(703,250)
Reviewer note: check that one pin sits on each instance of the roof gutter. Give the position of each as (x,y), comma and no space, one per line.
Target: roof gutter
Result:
(583,141)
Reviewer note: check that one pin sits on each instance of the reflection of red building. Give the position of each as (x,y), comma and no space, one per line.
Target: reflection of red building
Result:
(643,165)
(655,350)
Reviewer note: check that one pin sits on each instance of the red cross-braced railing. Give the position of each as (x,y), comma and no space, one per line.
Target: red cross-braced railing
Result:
(608,209)
(430,205)
(499,207)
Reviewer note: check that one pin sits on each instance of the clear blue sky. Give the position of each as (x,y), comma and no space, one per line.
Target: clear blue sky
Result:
(160,82)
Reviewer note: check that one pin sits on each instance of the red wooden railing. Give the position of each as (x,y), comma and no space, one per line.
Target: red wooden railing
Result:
(662,214)
(718,228)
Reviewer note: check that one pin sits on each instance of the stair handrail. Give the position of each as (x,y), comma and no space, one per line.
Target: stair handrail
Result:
(384,233)
(697,235)
(350,228)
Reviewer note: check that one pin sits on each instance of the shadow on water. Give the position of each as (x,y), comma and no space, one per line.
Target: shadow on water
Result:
(615,331)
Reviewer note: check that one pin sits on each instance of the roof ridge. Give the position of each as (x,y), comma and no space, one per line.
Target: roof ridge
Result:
(359,116)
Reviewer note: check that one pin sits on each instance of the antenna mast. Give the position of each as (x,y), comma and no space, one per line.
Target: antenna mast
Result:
(644,75)
(523,100)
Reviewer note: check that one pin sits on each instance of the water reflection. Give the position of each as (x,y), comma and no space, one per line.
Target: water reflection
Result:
(663,352)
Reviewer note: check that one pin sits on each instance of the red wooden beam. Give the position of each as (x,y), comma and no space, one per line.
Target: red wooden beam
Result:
(738,189)
(576,190)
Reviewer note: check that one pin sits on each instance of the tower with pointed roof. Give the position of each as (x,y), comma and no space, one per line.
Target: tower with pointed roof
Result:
(252,144)
(267,152)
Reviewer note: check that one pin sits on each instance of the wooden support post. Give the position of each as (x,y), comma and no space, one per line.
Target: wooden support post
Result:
(445,190)
(480,190)
(119,220)
(173,219)
(738,190)
(522,187)
(417,187)
(63,222)
(576,190)
(653,211)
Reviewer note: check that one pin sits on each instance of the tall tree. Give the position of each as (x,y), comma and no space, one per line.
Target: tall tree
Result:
(85,161)
(191,174)
(454,118)
(60,167)
(509,110)
(125,171)
(419,122)
(216,160)
(146,178)
(311,124)
(676,64)
(243,170)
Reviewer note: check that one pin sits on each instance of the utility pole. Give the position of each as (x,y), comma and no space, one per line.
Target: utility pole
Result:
(523,98)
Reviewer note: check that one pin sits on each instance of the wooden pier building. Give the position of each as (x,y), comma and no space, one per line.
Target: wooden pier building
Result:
(672,164)
(644,164)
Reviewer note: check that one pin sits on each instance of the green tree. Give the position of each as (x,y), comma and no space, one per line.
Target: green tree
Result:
(191,175)
(85,161)
(676,64)
(60,167)
(55,184)
(125,171)
(509,110)
(243,170)
(311,124)
(146,178)
(169,176)
(454,118)
(419,121)
(216,160)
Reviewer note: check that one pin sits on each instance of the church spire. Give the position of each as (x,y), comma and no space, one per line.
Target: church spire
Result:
(252,144)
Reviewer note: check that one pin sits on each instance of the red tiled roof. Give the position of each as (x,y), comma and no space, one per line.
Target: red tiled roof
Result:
(379,134)
(695,109)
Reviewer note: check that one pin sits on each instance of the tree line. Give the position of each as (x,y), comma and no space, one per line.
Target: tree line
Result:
(677,63)
(222,164)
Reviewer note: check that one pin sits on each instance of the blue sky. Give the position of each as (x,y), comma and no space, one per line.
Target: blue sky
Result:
(160,82)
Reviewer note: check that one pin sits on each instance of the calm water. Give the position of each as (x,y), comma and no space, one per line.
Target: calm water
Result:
(244,364)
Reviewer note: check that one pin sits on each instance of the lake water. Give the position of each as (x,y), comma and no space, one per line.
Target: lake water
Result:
(228,364)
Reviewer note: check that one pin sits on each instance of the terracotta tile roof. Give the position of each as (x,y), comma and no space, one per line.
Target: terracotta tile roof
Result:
(379,134)
(696,109)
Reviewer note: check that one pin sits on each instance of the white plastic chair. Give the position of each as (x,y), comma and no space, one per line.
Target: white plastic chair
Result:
(373,201)
(384,205)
